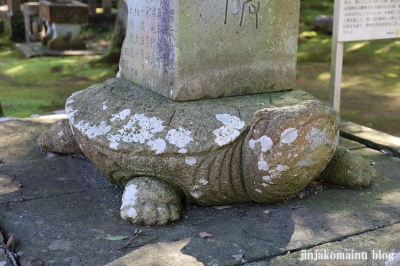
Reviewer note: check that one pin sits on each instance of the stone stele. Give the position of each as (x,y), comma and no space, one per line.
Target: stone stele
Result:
(190,49)
(262,147)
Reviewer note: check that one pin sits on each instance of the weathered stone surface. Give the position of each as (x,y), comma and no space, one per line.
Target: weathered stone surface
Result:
(189,49)
(59,139)
(196,147)
(323,24)
(286,148)
(348,169)
(150,201)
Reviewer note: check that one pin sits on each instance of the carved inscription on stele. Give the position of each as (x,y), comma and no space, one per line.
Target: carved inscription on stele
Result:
(148,51)
(248,7)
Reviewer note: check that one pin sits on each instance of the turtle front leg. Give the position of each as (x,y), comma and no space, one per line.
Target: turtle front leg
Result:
(150,201)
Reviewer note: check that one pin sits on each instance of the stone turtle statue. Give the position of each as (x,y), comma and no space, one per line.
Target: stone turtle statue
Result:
(264,147)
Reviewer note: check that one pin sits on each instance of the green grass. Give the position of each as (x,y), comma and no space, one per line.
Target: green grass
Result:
(370,82)
(370,93)
(41,85)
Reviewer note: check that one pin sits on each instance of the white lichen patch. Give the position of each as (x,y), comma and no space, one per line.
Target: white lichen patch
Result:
(304,162)
(129,201)
(266,178)
(70,100)
(258,190)
(71,114)
(179,137)
(60,134)
(139,129)
(262,164)
(317,138)
(260,146)
(264,142)
(196,193)
(121,115)
(275,173)
(230,131)
(203,181)
(68,108)
(105,107)
(93,131)
(289,135)
(114,141)
(190,161)
(282,168)
(157,145)
(182,151)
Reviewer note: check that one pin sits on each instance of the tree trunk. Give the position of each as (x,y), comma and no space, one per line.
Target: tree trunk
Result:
(114,50)
(1,111)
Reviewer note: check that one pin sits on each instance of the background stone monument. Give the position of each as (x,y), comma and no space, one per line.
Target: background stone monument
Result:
(33,23)
(63,19)
(265,144)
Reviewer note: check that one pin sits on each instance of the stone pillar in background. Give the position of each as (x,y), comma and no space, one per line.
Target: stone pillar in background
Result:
(106,4)
(190,49)
(63,24)
(33,23)
(92,4)
(15,20)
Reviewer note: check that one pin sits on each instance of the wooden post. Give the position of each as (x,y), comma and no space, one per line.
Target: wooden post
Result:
(336,61)
(1,111)
(14,6)
(106,7)
(92,7)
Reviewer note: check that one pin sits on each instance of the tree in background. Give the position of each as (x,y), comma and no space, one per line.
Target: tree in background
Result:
(114,50)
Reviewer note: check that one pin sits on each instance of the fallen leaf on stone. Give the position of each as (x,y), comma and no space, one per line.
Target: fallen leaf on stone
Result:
(205,234)
(10,241)
(316,183)
(301,194)
(387,152)
(51,155)
(77,155)
(115,238)
(266,211)
(222,207)
(373,163)
(238,256)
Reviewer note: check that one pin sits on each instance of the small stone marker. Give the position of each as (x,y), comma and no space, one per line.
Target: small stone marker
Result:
(32,21)
(188,49)
(63,21)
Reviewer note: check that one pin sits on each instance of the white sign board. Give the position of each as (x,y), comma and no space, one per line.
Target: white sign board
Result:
(368,20)
(358,20)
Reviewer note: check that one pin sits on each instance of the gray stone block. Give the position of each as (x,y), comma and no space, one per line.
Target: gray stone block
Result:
(188,50)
